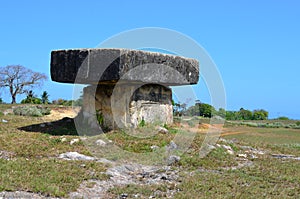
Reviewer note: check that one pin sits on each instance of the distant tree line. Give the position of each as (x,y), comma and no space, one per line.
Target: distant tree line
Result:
(31,98)
(243,114)
(207,110)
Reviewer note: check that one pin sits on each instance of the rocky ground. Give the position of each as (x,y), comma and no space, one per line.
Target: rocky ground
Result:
(120,174)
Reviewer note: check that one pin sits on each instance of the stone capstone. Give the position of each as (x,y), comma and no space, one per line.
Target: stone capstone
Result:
(90,66)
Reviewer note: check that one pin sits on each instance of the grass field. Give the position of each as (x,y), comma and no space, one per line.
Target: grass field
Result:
(29,151)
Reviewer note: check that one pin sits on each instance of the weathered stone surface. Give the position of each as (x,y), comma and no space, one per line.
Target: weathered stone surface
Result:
(119,106)
(75,156)
(91,66)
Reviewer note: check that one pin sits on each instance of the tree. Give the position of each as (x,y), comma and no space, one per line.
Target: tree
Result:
(244,114)
(176,109)
(45,97)
(201,109)
(206,110)
(31,99)
(260,114)
(19,80)
(221,112)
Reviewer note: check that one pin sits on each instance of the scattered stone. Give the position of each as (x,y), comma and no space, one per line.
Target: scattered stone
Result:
(105,161)
(244,163)
(6,155)
(230,152)
(4,121)
(75,156)
(49,123)
(242,155)
(173,159)
(22,194)
(210,147)
(42,125)
(249,149)
(162,130)
(127,174)
(100,142)
(123,195)
(76,140)
(63,139)
(154,147)
(223,140)
(283,156)
(172,146)
(251,156)
(228,149)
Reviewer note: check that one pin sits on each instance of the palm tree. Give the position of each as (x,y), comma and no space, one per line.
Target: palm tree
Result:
(45,97)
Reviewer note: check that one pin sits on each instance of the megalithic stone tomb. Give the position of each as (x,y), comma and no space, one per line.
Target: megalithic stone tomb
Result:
(126,86)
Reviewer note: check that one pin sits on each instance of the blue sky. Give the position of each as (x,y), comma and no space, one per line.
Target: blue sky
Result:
(255,44)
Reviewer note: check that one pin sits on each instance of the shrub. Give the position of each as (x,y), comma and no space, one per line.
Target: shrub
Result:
(142,123)
(298,123)
(100,117)
(282,118)
(36,111)
(278,124)
(251,124)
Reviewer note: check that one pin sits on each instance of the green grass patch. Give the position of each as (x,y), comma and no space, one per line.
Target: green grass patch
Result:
(50,177)
(268,179)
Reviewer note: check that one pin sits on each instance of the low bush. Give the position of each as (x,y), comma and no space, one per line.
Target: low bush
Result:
(36,111)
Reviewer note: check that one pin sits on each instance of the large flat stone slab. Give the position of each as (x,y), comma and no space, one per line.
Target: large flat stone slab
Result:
(94,66)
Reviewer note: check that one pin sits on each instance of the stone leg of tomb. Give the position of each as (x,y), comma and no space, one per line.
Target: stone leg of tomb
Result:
(126,105)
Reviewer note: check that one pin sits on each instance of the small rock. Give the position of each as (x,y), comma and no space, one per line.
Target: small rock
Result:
(74,141)
(49,123)
(222,140)
(63,139)
(123,195)
(230,152)
(42,125)
(242,155)
(172,146)
(227,147)
(75,156)
(253,156)
(173,159)
(162,130)
(4,121)
(283,156)
(105,161)
(100,142)
(154,147)
(211,147)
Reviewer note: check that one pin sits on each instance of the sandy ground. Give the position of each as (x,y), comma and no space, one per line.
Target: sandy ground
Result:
(62,112)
